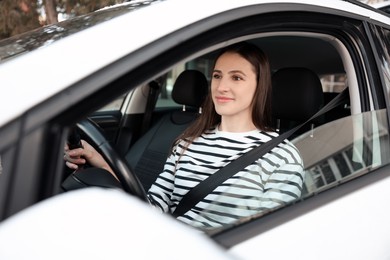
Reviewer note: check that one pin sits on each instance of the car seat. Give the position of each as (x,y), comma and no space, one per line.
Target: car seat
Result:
(296,96)
(148,154)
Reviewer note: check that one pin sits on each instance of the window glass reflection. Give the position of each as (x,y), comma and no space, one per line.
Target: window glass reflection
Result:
(343,149)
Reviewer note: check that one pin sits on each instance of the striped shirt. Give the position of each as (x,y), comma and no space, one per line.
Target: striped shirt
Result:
(269,182)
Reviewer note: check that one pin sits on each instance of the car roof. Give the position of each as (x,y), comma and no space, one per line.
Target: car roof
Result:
(380,4)
(34,77)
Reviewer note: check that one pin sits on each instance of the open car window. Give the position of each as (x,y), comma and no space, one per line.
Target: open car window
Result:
(342,144)
(349,141)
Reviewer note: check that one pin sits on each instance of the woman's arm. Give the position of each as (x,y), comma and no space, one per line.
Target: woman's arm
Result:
(160,193)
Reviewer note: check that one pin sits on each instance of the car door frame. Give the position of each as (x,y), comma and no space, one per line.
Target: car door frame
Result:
(33,129)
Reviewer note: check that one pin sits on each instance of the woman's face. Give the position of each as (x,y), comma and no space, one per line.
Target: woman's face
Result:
(233,86)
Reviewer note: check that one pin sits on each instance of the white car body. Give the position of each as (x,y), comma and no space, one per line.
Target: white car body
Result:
(352,223)
(29,236)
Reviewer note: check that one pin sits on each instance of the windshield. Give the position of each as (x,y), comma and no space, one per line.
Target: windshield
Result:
(44,36)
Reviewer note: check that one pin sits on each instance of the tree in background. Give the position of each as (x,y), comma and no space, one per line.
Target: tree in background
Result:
(51,13)
(18,16)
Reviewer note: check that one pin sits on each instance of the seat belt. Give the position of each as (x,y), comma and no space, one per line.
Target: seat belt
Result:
(200,191)
(127,137)
(154,91)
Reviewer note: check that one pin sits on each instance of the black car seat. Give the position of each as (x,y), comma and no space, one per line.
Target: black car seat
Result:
(148,154)
(296,96)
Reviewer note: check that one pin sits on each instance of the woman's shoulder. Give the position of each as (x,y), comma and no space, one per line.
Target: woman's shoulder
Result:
(286,143)
(270,134)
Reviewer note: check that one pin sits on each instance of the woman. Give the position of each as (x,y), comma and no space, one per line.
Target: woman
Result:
(236,118)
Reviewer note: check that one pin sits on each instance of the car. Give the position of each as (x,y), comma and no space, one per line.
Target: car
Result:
(383,6)
(111,74)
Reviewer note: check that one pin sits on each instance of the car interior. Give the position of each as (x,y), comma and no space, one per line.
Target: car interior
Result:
(309,70)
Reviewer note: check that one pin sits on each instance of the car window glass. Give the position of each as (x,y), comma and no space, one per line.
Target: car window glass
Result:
(343,149)
(383,48)
(340,151)
(165,97)
(202,64)
(333,82)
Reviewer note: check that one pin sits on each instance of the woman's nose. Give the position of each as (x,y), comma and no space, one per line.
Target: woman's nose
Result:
(222,86)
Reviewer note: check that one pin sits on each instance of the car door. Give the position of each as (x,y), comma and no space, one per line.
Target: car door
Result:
(321,35)
(341,156)
(292,34)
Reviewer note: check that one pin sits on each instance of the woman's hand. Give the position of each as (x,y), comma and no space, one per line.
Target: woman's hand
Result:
(76,157)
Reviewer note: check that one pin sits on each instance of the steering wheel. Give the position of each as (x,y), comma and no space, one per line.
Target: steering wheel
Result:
(126,176)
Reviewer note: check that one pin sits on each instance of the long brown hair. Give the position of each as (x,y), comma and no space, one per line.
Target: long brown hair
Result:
(261,102)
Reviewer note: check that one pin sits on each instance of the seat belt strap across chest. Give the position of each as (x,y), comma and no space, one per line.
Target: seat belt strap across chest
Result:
(200,191)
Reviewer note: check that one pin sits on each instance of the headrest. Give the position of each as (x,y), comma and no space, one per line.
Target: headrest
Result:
(190,88)
(296,94)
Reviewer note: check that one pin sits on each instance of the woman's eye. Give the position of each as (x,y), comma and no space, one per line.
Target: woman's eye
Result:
(216,76)
(236,78)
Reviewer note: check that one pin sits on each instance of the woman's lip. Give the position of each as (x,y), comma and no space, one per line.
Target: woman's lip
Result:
(223,99)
